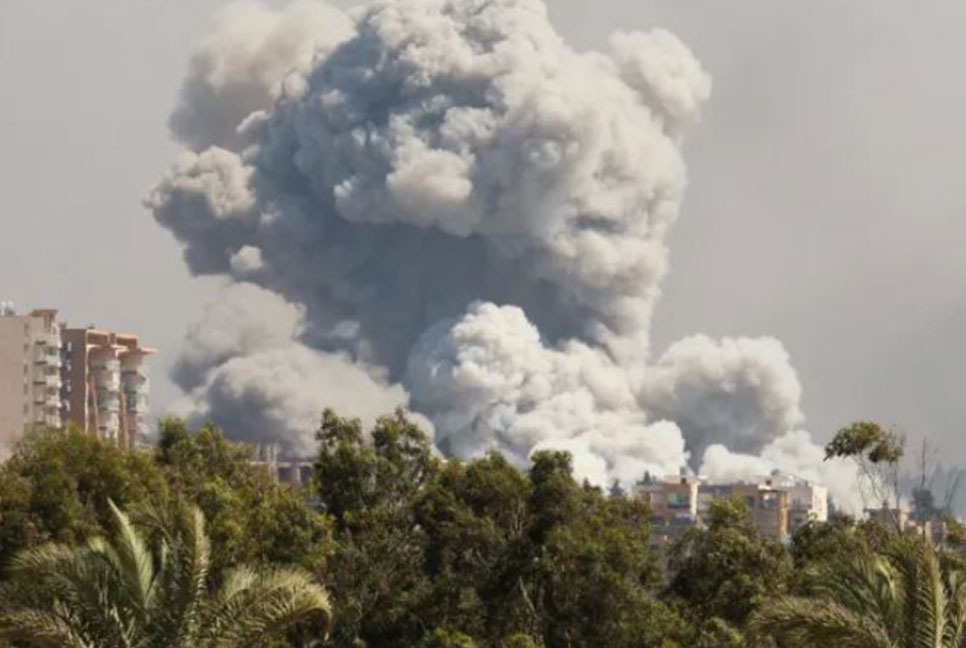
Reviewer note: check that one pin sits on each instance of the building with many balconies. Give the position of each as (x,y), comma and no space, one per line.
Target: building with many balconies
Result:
(108,383)
(30,372)
(51,375)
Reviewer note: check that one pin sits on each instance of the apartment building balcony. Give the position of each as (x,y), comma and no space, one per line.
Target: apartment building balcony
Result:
(109,404)
(43,356)
(137,403)
(107,420)
(138,373)
(106,378)
(135,386)
(47,379)
(108,384)
(111,365)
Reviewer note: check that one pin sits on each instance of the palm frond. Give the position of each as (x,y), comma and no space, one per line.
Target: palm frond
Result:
(41,630)
(253,606)
(819,623)
(137,591)
(135,563)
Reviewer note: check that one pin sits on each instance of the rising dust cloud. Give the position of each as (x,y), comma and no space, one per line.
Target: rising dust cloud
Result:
(441,205)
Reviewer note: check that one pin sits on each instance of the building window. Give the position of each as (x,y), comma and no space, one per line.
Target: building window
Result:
(678,501)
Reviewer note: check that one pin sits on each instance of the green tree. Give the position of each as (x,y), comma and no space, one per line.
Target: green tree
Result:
(908,598)
(57,485)
(474,516)
(840,538)
(589,578)
(876,452)
(370,487)
(250,517)
(441,638)
(721,574)
(144,590)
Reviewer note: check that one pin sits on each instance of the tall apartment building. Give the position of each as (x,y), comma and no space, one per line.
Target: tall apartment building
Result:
(53,375)
(108,383)
(30,372)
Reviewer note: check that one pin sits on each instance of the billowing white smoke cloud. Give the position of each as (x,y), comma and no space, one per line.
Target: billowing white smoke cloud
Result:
(744,386)
(796,453)
(443,199)
(490,384)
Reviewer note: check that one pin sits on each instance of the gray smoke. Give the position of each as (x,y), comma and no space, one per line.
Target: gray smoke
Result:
(441,203)
(244,366)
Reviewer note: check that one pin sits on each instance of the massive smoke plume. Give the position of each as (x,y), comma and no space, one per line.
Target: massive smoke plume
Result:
(439,203)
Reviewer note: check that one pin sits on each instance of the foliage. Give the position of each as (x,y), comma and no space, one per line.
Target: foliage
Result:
(57,485)
(421,551)
(479,549)
(251,519)
(955,533)
(149,590)
(722,573)
(868,439)
(839,538)
(907,598)
(876,453)
(369,486)
(446,639)
(590,561)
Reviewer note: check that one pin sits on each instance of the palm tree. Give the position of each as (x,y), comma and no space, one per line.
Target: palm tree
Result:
(138,589)
(909,598)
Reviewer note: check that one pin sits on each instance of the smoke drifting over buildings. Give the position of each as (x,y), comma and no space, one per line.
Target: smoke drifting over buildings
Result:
(440,204)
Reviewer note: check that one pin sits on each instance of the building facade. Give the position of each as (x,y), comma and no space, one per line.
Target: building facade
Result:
(778,504)
(51,375)
(283,470)
(674,506)
(30,373)
(108,384)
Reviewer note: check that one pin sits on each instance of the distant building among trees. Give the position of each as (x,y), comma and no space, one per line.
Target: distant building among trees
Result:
(779,503)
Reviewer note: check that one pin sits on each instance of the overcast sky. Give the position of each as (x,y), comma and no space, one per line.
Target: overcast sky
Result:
(825,205)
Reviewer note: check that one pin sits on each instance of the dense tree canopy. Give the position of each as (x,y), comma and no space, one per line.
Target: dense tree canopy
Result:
(417,550)
(149,587)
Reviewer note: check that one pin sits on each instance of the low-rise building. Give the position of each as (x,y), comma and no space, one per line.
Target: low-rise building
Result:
(674,506)
(778,504)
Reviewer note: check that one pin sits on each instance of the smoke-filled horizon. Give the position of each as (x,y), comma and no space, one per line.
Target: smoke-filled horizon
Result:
(444,206)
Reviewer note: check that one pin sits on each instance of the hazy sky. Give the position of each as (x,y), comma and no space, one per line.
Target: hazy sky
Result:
(825,205)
